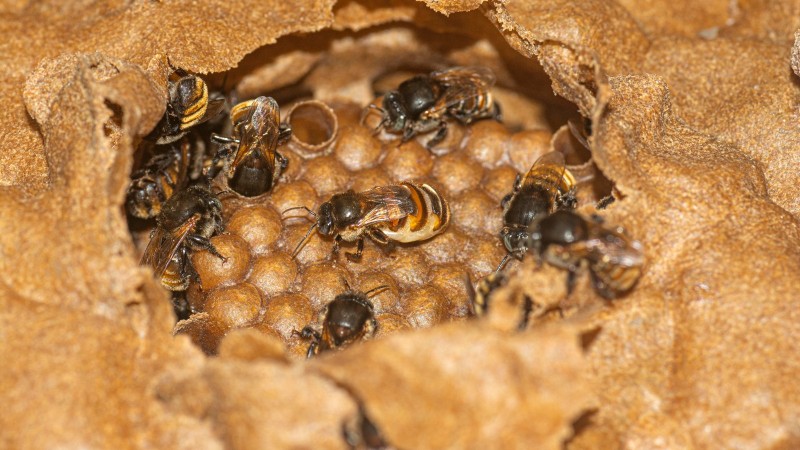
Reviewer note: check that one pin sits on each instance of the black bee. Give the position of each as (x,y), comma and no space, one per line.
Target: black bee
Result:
(566,240)
(400,213)
(422,103)
(186,222)
(547,187)
(350,317)
(188,105)
(154,183)
(250,157)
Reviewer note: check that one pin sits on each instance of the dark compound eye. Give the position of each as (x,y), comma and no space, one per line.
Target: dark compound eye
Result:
(325,220)
(396,111)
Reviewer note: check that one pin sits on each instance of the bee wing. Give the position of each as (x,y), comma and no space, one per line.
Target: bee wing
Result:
(385,204)
(478,76)
(615,250)
(260,130)
(213,109)
(183,164)
(163,245)
(548,170)
(462,83)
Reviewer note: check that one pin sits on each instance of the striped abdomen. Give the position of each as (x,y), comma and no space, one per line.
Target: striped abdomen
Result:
(431,216)
(478,107)
(193,99)
(175,277)
(614,279)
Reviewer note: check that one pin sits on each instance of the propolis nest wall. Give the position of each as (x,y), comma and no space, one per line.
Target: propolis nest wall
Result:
(694,122)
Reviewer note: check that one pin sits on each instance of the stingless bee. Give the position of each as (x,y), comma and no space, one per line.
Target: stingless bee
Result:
(186,222)
(188,105)
(405,212)
(547,187)
(154,183)
(480,297)
(567,240)
(422,103)
(350,317)
(250,157)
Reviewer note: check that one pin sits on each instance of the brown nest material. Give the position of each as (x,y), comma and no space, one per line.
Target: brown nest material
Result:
(694,123)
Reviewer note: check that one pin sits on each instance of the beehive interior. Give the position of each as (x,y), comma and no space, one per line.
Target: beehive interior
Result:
(693,130)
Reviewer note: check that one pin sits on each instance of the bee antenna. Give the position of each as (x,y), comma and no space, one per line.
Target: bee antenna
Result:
(503,262)
(368,110)
(226,191)
(578,134)
(308,210)
(376,290)
(344,282)
(470,293)
(303,241)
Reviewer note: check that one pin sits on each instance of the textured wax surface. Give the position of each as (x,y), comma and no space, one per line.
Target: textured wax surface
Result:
(694,121)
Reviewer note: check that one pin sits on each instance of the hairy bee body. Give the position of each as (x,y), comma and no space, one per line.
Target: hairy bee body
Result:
(349,318)
(176,276)
(430,216)
(155,183)
(423,103)
(188,105)
(186,223)
(565,239)
(249,157)
(398,213)
(547,187)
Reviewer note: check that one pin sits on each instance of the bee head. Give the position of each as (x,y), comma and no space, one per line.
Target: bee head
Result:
(143,197)
(395,114)
(516,240)
(325,219)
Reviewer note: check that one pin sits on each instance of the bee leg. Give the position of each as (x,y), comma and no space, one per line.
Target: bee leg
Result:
(309,333)
(505,200)
(201,242)
(441,133)
(337,242)
(497,113)
(284,133)
(571,278)
(181,306)
(605,201)
(282,161)
(359,250)
(527,307)
(517,183)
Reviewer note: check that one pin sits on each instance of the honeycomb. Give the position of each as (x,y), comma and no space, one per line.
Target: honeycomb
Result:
(694,131)
(261,286)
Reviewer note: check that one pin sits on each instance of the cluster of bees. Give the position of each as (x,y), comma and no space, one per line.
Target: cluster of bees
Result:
(173,188)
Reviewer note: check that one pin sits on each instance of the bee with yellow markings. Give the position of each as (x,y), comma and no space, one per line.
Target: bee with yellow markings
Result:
(480,297)
(567,240)
(421,104)
(349,318)
(405,212)
(188,105)
(186,222)
(547,187)
(250,157)
(154,184)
